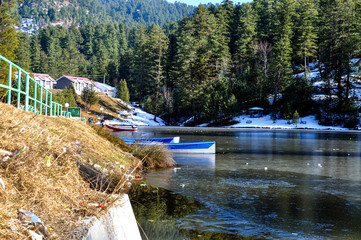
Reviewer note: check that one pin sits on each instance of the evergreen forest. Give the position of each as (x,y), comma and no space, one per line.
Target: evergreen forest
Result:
(217,62)
(79,12)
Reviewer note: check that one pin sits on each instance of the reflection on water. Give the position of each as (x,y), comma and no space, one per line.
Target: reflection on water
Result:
(156,210)
(274,185)
(204,160)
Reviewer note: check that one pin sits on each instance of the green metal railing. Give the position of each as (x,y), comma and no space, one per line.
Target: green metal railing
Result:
(20,89)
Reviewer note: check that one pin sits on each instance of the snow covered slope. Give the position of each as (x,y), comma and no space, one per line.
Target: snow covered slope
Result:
(138,117)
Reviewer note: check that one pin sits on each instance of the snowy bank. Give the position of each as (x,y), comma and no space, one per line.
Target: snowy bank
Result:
(308,122)
(136,116)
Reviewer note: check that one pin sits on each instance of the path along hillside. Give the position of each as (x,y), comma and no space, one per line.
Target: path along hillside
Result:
(116,111)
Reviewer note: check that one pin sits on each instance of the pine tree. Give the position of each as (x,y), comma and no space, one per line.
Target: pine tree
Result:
(138,65)
(156,49)
(295,118)
(339,39)
(203,69)
(102,59)
(8,35)
(199,59)
(69,96)
(89,97)
(284,10)
(307,32)
(182,74)
(74,56)
(123,63)
(53,57)
(88,32)
(266,18)
(22,58)
(220,40)
(246,35)
(219,99)
(123,92)
(204,24)
(123,42)
(36,63)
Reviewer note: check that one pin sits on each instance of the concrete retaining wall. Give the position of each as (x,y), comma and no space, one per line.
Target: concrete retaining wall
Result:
(118,223)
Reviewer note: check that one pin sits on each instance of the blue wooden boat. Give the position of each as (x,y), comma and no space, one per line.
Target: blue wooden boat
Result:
(161,140)
(187,147)
(192,147)
(204,160)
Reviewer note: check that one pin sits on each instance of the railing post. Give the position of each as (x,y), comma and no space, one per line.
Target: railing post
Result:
(19,89)
(46,101)
(27,92)
(41,101)
(35,96)
(51,108)
(9,83)
(51,104)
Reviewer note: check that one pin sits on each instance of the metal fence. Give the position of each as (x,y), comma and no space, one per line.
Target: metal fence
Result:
(18,88)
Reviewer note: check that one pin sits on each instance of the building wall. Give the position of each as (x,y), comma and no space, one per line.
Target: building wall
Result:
(79,86)
(46,84)
(62,83)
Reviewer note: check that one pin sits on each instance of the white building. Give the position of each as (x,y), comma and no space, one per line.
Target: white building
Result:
(44,80)
(79,83)
(106,89)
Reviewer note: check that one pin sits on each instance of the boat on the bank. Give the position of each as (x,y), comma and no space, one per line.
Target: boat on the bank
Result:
(187,147)
(161,140)
(121,128)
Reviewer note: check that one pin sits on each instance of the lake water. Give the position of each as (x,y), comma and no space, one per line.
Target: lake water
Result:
(267,184)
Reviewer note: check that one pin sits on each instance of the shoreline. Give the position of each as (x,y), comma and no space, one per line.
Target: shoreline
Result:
(239,129)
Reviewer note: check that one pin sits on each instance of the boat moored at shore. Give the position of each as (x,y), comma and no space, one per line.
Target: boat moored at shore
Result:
(187,147)
(160,140)
(122,128)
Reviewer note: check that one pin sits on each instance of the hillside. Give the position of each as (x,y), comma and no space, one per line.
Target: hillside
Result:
(221,61)
(66,12)
(40,159)
(116,111)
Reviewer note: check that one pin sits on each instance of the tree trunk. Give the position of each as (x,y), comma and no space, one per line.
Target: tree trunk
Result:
(348,80)
(276,88)
(305,64)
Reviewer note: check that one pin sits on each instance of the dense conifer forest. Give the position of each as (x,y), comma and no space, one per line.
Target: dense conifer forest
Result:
(103,11)
(219,61)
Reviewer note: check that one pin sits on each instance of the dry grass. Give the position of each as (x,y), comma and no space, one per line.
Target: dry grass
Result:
(111,103)
(56,193)
(154,156)
(110,107)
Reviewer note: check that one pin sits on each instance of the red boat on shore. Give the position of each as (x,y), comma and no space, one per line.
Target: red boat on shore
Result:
(122,128)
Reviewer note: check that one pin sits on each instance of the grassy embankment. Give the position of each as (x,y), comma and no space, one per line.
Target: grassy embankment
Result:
(45,178)
(111,107)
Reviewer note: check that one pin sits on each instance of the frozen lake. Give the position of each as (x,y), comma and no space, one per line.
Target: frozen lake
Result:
(267,184)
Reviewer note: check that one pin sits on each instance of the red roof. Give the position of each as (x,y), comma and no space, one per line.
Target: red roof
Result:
(74,79)
(41,76)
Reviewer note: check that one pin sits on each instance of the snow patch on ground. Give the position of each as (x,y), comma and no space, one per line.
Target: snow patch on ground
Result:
(308,122)
(136,116)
